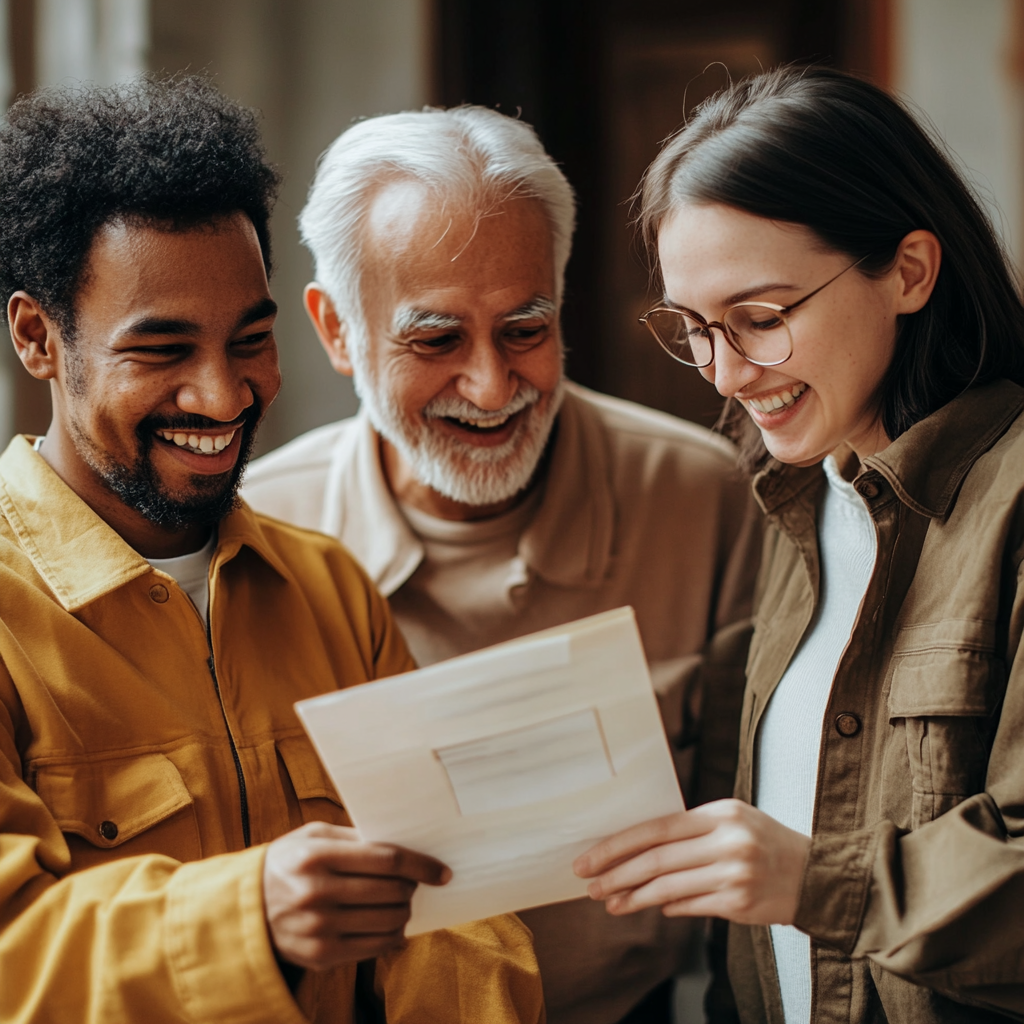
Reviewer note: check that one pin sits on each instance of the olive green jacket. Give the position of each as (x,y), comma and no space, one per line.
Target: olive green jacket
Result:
(914,892)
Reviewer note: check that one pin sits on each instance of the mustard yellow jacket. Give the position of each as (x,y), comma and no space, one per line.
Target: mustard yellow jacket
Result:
(140,775)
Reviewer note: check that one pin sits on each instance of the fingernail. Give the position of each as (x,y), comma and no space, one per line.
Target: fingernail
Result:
(594,890)
(446,876)
(579,867)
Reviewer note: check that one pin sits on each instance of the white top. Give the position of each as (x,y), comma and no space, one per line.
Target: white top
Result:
(192,573)
(789,738)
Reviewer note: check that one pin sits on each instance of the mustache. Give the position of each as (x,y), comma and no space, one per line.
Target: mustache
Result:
(441,408)
(192,421)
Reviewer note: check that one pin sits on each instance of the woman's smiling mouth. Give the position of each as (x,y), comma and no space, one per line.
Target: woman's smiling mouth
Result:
(771,403)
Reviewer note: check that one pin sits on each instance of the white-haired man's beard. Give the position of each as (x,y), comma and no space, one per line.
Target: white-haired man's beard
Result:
(461,471)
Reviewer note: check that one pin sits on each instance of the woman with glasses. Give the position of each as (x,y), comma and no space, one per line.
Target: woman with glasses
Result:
(829,271)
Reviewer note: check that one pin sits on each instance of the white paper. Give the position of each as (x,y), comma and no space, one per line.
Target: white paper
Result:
(506,764)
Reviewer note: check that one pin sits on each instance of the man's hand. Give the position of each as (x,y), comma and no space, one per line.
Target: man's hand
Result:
(723,859)
(331,898)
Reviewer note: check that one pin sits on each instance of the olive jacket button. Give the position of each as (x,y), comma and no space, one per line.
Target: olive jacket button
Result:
(847,724)
(868,489)
(108,830)
(158,592)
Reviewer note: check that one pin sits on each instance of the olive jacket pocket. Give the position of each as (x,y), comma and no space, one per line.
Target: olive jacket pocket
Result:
(945,700)
(120,808)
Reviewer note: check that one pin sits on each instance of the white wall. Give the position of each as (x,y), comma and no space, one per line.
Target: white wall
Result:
(953,61)
(102,41)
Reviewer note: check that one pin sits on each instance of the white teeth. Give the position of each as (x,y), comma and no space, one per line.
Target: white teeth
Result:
(484,424)
(204,444)
(777,401)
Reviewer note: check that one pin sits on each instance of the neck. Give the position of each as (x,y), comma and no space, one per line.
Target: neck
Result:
(407,490)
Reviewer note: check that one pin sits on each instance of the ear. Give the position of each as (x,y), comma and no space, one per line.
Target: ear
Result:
(329,327)
(37,339)
(918,259)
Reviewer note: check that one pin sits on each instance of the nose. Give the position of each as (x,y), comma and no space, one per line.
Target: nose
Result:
(485,378)
(217,389)
(729,371)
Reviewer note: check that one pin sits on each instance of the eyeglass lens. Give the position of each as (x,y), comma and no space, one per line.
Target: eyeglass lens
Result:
(759,333)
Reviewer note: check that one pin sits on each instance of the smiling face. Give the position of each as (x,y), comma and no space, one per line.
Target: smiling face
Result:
(173,363)
(462,372)
(826,393)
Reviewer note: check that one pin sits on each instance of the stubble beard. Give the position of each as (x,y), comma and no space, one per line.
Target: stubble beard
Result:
(470,474)
(207,501)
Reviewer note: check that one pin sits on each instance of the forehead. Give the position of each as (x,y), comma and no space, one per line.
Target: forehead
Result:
(420,248)
(705,249)
(141,267)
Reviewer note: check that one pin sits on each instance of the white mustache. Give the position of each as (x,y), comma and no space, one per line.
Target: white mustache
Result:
(442,408)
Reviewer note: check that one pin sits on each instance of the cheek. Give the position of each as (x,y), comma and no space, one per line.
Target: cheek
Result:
(542,367)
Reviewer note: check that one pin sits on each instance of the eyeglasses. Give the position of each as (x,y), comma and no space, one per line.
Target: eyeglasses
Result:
(758,331)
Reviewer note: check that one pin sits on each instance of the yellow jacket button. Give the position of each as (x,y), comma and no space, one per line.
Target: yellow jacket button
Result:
(108,830)
(158,592)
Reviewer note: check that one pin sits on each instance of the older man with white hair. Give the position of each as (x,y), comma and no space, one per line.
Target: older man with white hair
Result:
(487,496)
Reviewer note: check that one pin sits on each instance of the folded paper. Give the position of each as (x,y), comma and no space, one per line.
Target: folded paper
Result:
(505,763)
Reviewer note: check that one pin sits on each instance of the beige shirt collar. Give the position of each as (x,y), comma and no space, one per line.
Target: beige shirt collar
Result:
(568,543)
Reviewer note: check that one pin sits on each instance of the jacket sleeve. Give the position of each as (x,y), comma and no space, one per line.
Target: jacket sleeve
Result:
(484,971)
(940,905)
(144,939)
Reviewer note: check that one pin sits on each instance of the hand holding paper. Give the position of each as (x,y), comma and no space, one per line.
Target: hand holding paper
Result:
(504,764)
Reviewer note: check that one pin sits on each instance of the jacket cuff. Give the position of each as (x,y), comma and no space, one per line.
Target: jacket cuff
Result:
(218,947)
(835,887)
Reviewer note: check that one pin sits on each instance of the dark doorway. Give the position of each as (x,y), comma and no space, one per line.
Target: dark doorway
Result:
(603,82)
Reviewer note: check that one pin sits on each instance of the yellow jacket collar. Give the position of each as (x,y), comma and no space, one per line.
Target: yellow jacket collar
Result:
(77,553)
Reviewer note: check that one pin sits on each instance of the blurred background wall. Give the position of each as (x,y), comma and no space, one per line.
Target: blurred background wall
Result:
(602,80)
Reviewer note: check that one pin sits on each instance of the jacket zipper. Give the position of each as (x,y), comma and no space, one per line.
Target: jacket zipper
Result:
(243,795)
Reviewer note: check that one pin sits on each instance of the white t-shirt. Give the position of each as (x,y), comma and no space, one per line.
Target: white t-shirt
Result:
(192,573)
(789,737)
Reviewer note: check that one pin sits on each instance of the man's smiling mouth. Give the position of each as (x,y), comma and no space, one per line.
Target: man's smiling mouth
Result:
(200,444)
(480,424)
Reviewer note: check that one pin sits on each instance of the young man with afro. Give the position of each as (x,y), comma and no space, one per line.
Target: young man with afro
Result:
(170,847)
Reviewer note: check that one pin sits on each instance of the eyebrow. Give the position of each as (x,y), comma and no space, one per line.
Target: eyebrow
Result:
(409,319)
(539,307)
(163,326)
(743,296)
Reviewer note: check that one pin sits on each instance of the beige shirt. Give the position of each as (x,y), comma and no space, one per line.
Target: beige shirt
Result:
(636,508)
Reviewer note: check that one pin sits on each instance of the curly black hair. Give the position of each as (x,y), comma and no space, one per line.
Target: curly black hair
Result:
(157,150)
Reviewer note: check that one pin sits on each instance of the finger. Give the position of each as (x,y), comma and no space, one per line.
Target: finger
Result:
(359,890)
(632,841)
(682,855)
(365,921)
(677,887)
(322,952)
(348,858)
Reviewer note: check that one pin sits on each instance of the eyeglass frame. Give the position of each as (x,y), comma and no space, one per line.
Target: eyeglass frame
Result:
(783,312)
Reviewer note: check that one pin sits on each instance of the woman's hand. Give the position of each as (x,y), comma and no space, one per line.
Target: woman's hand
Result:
(723,859)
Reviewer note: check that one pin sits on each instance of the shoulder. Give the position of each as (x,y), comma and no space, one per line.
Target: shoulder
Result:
(635,432)
(289,482)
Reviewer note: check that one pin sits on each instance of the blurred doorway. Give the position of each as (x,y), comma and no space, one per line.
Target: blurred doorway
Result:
(604,81)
